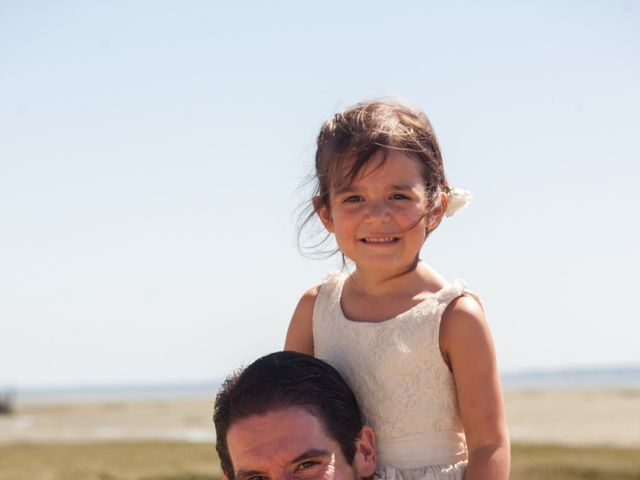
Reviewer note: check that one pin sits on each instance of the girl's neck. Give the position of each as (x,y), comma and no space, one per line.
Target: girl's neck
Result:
(376,282)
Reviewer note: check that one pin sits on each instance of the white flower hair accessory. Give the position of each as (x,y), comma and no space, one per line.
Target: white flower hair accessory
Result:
(457,199)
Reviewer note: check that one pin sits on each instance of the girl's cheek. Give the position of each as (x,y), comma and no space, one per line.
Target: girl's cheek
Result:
(413,214)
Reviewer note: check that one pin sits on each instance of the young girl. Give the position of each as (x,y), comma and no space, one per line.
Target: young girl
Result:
(415,348)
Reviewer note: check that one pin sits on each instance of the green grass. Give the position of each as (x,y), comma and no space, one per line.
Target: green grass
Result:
(189,461)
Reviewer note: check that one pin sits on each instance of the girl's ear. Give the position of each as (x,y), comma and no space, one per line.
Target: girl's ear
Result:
(364,462)
(438,212)
(324,213)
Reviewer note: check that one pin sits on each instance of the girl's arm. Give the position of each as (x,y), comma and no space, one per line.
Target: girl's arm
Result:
(466,343)
(300,333)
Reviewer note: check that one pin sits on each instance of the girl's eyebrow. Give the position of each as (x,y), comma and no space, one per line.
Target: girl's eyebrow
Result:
(346,189)
(352,189)
(401,187)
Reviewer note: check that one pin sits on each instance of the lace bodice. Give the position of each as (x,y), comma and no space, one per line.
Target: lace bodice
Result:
(395,367)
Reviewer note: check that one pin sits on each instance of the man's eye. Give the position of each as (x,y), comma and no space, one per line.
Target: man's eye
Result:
(308,470)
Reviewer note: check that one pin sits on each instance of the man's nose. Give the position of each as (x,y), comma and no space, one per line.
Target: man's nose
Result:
(283,475)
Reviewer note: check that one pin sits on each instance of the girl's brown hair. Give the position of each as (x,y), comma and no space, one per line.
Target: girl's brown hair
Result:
(348,141)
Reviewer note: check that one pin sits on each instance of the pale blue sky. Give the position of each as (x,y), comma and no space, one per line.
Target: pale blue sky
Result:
(151,154)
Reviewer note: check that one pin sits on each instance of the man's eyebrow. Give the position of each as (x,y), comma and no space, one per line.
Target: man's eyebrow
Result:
(311,453)
(314,452)
(248,473)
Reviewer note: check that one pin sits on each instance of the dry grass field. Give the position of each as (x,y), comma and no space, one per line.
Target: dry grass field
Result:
(123,460)
(127,460)
(556,462)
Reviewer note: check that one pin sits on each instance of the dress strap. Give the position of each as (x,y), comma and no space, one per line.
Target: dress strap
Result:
(332,283)
(455,289)
(325,309)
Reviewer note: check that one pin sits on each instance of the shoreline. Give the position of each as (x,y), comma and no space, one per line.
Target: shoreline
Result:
(571,417)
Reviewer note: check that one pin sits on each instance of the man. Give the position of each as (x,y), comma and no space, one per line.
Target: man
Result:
(291,416)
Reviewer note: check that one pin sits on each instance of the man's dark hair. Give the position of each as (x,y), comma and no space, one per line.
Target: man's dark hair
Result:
(282,380)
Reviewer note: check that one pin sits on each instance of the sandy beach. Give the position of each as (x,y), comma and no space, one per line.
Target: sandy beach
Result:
(607,417)
(183,419)
(573,417)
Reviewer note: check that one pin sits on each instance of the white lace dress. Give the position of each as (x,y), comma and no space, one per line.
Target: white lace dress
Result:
(404,387)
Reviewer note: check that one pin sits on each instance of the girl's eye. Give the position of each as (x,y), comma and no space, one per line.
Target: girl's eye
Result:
(353,199)
(399,196)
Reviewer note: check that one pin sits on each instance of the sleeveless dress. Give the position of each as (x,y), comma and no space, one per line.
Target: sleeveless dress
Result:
(404,387)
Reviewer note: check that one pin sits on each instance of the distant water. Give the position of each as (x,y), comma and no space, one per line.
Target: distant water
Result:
(625,377)
(129,392)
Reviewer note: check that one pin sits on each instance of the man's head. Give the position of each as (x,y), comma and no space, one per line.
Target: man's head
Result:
(289,413)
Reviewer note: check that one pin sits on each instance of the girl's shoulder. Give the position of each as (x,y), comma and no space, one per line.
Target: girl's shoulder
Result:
(307,301)
(306,304)
(300,331)
(463,323)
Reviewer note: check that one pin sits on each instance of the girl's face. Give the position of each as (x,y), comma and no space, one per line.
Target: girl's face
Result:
(380,220)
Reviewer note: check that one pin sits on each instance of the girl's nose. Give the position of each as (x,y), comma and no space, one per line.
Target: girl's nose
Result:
(377,211)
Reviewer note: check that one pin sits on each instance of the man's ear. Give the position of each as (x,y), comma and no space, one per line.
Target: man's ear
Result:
(365,461)
(324,213)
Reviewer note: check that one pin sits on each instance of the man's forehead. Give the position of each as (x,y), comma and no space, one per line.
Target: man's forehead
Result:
(276,437)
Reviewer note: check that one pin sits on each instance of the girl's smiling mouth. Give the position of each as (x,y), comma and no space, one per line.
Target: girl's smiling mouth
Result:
(380,240)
